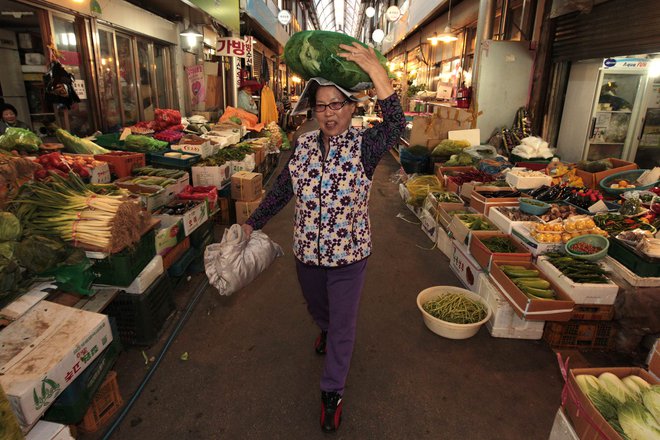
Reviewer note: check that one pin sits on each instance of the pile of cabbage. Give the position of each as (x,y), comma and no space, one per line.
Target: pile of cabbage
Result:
(314,53)
(630,405)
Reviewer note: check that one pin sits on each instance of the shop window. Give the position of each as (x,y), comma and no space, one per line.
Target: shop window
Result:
(146,92)
(161,60)
(127,82)
(108,84)
(68,39)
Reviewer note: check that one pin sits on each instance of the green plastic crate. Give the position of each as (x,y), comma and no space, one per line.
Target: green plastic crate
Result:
(140,317)
(638,263)
(70,407)
(159,160)
(180,267)
(110,141)
(203,235)
(121,269)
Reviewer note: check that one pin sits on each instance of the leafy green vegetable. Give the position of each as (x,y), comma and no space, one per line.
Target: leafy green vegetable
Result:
(10,227)
(314,53)
(7,248)
(638,423)
(448,147)
(39,253)
(499,245)
(143,144)
(19,139)
(460,159)
(236,119)
(651,399)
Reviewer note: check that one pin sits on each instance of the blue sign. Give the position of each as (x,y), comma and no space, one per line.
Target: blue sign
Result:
(610,62)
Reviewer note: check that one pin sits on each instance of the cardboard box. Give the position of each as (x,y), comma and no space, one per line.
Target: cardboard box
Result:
(522,235)
(246,186)
(592,180)
(581,293)
(217,176)
(444,243)
(224,212)
(444,173)
(429,130)
(429,226)
(460,231)
(44,351)
(44,430)
(245,209)
(191,219)
(169,234)
(247,164)
(586,419)
(485,256)
(560,309)
(153,197)
(654,359)
(446,212)
(503,322)
(195,144)
(259,154)
(482,203)
(464,266)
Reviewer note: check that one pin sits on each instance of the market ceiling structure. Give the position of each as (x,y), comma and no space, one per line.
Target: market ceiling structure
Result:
(338,15)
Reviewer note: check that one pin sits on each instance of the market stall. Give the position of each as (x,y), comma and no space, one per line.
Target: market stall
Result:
(561,252)
(95,235)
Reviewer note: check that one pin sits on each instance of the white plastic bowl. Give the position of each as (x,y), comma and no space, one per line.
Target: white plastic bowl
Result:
(449,329)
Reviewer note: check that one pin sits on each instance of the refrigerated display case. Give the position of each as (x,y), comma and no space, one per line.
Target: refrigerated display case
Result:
(603,109)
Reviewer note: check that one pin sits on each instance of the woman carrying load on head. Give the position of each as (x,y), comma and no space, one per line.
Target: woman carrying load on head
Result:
(329,174)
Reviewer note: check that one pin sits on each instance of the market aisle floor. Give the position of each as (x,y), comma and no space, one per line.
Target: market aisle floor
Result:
(252,373)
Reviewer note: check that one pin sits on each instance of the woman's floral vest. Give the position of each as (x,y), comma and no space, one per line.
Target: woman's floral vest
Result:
(331,221)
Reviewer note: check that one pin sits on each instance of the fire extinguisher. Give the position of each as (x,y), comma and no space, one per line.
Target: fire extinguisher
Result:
(463,96)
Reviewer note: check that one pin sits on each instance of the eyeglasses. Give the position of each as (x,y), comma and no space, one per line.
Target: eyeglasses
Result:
(320,108)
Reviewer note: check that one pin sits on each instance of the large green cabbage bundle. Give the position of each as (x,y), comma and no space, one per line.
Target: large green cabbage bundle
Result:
(314,53)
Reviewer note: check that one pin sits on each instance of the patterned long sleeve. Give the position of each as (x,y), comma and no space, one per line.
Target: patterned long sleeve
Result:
(276,199)
(383,136)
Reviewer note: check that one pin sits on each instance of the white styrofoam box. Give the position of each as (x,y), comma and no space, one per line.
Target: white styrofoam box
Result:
(504,223)
(204,149)
(522,235)
(233,137)
(45,430)
(521,182)
(445,243)
(581,293)
(145,279)
(629,276)
(44,351)
(504,322)
(429,225)
(211,175)
(464,266)
(562,429)
(26,301)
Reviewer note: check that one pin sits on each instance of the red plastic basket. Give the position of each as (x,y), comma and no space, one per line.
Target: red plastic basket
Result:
(122,163)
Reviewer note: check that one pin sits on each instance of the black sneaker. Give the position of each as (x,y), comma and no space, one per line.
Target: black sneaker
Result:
(319,345)
(331,405)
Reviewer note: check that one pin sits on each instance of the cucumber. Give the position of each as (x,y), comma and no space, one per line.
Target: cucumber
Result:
(528,273)
(536,283)
(542,293)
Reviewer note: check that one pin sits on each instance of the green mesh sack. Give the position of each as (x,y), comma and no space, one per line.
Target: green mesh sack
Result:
(314,53)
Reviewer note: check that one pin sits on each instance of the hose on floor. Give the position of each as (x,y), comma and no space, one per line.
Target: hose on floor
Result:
(198,293)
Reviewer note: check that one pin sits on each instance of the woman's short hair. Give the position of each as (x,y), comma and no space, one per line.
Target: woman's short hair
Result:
(7,106)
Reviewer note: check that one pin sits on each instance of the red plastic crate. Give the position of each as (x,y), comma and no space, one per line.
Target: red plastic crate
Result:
(122,163)
(593,312)
(105,405)
(581,335)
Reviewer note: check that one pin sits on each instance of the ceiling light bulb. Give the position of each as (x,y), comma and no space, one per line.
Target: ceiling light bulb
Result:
(370,11)
(378,35)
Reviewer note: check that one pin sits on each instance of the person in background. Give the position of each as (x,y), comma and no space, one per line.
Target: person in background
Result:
(9,119)
(329,175)
(246,90)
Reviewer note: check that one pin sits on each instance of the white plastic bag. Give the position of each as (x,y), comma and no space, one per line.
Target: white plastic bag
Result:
(234,262)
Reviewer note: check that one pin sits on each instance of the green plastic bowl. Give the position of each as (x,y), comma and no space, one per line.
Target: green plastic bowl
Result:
(630,176)
(592,239)
(533,208)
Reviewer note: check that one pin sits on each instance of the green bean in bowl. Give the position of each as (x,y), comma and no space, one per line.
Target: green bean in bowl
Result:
(456,308)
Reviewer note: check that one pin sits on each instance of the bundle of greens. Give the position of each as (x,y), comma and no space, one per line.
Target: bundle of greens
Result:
(68,209)
(448,147)
(314,53)
(578,269)
(20,139)
(143,144)
(230,154)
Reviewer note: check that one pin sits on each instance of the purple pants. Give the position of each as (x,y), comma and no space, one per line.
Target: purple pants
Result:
(333,296)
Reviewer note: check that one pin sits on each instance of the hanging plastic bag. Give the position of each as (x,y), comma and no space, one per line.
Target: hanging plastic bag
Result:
(237,260)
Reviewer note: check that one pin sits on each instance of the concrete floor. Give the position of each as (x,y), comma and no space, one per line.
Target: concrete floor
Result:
(252,373)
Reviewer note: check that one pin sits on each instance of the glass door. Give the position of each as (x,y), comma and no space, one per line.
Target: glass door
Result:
(127,81)
(68,40)
(613,120)
(146,91)
(108,84)
(648,150)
